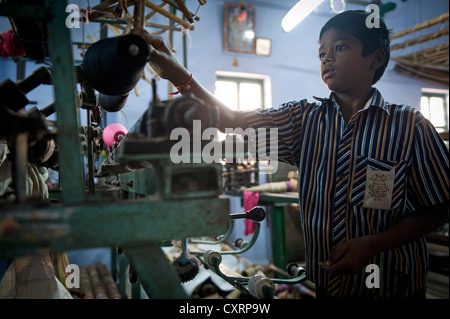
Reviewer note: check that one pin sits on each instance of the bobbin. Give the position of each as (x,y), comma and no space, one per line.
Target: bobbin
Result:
(113,66)
(210,254)
(257,285)
(114,133)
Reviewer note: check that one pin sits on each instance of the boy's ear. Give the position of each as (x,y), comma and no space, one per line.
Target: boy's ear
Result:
(378,58)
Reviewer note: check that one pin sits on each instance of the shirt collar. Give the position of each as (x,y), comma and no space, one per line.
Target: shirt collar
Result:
(376,100)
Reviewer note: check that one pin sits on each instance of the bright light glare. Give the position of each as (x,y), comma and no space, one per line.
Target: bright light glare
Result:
(433,108)
(437,111)
(297,13)
(424,107)
(250,96)
(226,92)
(249,34)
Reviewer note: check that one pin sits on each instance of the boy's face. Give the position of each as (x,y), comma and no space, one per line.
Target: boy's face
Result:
(343,69)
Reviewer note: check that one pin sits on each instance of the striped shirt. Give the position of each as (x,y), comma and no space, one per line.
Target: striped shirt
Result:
(360,178)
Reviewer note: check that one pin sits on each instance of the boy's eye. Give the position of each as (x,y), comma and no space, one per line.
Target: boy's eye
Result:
(339,48)
(321,55)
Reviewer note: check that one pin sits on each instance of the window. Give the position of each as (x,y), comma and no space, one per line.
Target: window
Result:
(434,108)
(240,93)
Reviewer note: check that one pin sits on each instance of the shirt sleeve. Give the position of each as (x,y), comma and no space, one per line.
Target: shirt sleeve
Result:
(430,166)
(286,120)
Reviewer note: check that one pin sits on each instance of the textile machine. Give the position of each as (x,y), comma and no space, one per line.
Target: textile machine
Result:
(145,199)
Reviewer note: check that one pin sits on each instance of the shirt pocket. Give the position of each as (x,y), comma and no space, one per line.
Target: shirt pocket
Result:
(379,184)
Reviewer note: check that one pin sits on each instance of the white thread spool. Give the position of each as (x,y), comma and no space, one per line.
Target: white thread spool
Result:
(208,256)
(256,286)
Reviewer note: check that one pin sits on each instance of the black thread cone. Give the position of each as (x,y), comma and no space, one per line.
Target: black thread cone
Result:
(112,103)
(113,66)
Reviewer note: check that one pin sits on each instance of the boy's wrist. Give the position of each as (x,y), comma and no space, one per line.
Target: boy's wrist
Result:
(181,79)
(381,242)
(375,244)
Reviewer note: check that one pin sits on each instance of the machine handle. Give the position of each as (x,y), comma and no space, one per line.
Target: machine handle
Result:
(256,214)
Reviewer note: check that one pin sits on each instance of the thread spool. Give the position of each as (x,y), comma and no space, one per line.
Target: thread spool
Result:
(294,270)
(240,243)
(275,187)
(108,281)
(112,103)
(256,286)
(210,254)
(251,271)
(113,66)
(97,284)
(85,284)
(114,133)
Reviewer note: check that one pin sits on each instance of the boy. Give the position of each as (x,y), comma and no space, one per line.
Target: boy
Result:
(373,176)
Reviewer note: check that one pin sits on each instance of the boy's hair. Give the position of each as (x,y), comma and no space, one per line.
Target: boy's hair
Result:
(354,21)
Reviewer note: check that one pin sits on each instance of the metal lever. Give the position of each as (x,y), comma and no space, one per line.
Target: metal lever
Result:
(257,286)
(256,214)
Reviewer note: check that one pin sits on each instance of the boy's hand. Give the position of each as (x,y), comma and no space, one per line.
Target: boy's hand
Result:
(162,60)
(349,257)
(352,255)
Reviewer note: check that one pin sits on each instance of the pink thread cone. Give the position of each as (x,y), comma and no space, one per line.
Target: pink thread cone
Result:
(112,133)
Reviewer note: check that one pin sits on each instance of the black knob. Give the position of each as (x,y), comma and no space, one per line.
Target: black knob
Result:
(257,214)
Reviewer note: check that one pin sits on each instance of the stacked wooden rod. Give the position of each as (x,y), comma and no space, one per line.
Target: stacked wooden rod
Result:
(108,10)
(430,63)
(425,38)
(435,55)
(96,282)
(441,19)
(429,23)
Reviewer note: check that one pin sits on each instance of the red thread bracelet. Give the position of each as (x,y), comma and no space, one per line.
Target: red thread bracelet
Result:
(182,87)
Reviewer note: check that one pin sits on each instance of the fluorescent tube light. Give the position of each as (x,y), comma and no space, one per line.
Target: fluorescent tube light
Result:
(297,13)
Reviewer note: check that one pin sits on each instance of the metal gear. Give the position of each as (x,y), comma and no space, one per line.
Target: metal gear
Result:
(187,268)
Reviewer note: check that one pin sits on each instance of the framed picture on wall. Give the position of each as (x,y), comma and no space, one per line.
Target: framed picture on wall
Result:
(263,46)
(239,28)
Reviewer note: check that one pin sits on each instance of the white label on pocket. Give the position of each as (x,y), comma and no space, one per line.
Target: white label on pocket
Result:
(379,186)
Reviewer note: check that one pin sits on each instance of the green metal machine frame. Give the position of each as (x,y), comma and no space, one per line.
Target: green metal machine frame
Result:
(82,221)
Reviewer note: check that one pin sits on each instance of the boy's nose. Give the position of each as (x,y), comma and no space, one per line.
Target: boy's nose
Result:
(327,58)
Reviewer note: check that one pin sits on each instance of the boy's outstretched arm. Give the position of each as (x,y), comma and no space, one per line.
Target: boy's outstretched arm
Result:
(352,255)
(164,62)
